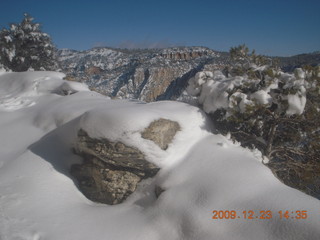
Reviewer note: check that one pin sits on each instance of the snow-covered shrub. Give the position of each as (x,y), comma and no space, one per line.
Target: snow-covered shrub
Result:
(263,107)
(25,47)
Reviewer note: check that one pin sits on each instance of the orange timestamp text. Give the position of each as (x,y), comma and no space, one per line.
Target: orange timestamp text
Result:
(260,214)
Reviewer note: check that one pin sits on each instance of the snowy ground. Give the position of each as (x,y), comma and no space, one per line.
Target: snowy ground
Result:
(201,172)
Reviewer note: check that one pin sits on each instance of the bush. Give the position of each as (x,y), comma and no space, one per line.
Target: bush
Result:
(264,108)
(25,47)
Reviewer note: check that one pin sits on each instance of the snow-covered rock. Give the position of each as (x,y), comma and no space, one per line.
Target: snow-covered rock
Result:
(110,170)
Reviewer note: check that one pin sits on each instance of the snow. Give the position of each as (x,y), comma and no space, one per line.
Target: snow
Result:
(200,172)
(11,53)
(212,90)
(299,73)
(297,102)
(8,39)
(239,100)
(262,97)
(19,90)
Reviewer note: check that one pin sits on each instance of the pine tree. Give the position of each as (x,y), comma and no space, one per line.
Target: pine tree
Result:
(264,108)
(25,47)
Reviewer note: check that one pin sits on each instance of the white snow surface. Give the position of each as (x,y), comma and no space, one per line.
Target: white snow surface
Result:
(200,172)
(19,90)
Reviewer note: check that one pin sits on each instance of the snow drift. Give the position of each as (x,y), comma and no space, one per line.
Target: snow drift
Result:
(40,114)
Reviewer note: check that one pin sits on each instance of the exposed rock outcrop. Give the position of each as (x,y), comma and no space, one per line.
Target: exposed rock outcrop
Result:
(111,170)
(182,54)
(148,84)
(93,70)
(161,132)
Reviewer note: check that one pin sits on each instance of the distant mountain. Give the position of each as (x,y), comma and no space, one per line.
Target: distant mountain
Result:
(290,63)
(150,74)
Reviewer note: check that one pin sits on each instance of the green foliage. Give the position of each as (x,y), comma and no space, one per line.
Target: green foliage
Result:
(239,53)
(24,46)
(247,64)
(268,127)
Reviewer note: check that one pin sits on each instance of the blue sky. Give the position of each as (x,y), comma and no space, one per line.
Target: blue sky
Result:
(272,27)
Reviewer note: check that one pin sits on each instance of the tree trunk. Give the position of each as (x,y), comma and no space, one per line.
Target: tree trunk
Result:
(270,139)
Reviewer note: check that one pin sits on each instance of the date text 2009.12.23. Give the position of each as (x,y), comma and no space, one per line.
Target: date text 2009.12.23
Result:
(259,214)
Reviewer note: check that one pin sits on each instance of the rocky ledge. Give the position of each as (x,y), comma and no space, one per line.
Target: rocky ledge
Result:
(111,170)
